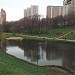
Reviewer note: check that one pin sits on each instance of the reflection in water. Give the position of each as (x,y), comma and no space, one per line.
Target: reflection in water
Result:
(3,46)
(47,53)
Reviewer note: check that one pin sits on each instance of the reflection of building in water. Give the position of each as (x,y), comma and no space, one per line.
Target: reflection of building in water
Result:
(69,56)
(27,53)
(34,54)
(30,49)
(64,51)
(25,46)
(52,51)
(42,50)
(34,50)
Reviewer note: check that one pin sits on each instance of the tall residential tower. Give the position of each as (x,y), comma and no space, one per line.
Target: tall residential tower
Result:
(54,11)
(69,12)
(31,12)
(2,17)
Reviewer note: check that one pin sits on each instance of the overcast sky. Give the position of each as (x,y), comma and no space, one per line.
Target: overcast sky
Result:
(15,8)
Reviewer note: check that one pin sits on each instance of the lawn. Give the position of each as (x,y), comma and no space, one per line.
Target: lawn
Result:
(70,36)
(52,33)
(10,65)
(57,32)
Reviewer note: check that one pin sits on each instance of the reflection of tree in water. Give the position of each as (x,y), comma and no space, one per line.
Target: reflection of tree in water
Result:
(14,43)
(3,45)
(53,51)
(49,50)
(69,56)
(42,49)
(0,45)
(30,48)
(64,51)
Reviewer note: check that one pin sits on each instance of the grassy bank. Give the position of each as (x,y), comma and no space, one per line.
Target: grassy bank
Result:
(10,65)
(57,32)
(70,36)
(51,33)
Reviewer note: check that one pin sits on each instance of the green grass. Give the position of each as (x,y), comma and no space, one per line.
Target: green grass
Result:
(0,39)
(53,32)
(10,65)
(13,66)
(70,36)
(48,33)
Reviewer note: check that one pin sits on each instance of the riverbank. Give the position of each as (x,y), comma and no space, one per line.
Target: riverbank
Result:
(66,34)
(39,38)
(10,65)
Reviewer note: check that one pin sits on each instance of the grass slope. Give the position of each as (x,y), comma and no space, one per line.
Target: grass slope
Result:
(70,36)
(49,33)
(13,66)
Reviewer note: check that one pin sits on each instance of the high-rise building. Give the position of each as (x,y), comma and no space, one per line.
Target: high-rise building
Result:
(69,11)
(28,12)
(0,19)
(65,8)
(34,10)
(3,16)
(31,12)
(25,12)
(54,11)
(68,7)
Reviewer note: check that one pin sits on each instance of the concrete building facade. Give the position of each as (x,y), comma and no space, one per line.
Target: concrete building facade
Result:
(69,11)
(25,12)
(31,12)
(34,10)
(54,11)
(0,19)
(28,12)
(68,7)
(3,17)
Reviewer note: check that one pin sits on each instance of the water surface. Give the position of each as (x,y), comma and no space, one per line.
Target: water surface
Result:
(43,52)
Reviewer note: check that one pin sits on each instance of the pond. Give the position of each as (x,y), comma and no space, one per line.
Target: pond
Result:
(43,52)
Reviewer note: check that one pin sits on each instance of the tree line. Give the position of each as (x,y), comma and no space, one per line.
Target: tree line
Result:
(37,25)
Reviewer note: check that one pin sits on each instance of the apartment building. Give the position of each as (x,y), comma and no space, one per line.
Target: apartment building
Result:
(31,12)
(69,11)
(68,7)
(34,10)
(3,16)
(25,12)
(0,19)
(54,11)
(28,12)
